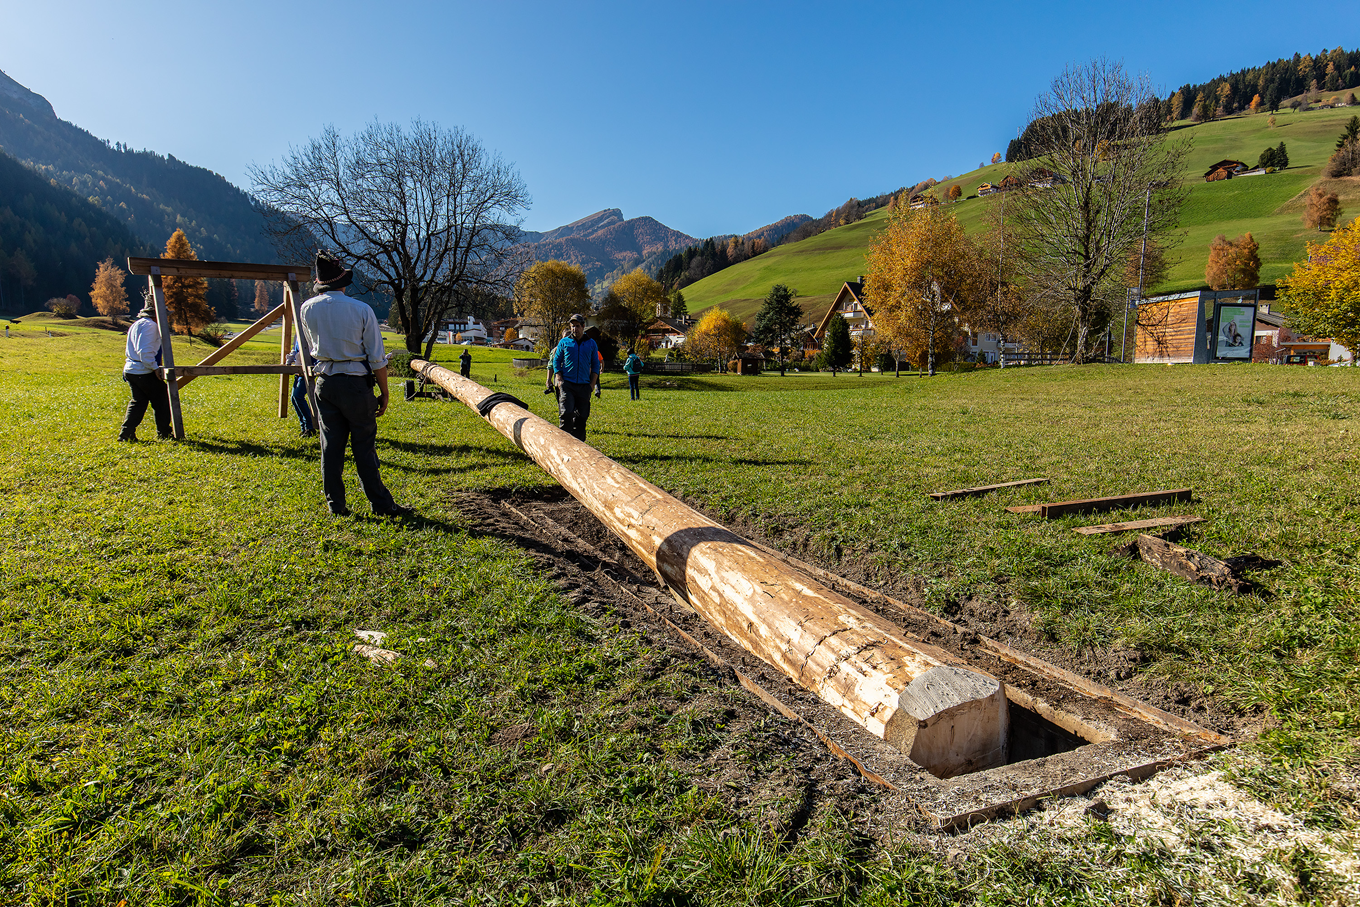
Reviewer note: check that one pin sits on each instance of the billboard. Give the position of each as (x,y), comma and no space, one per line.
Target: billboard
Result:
(1234,328)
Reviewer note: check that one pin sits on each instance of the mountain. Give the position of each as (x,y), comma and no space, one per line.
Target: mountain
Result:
(51,240)
(150,193)
(606,245)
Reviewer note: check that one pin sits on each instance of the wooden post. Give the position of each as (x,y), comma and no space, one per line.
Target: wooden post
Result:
(292,299)
(167,353)
(946,715)
(285,347)
(234,343)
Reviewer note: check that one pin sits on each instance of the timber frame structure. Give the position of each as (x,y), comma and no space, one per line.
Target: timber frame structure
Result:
(154,269)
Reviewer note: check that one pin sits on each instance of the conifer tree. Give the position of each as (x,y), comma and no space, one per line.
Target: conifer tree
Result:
(1281,157)
(107,293)
(837,351)
(186,298)
(777,321)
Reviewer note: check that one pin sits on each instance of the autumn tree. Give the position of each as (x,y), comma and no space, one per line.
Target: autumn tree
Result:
(631,303)
(996,158)
(1074,234)
(1147,268)
(1001,305)
(718,336)
(262,304)
(108,294)
(186,298)
(1321,208)
(923,275)
(1255,105)
(1233,263)
(1322,294)
(837,351)
(424,214)
(551,292)
(67,306)
(955,192)
(778,321)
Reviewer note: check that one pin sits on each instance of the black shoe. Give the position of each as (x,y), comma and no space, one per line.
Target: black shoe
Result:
(339,511)
(127,439)
(309,434)
(396,510)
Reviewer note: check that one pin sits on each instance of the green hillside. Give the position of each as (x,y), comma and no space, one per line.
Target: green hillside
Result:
(1271,207)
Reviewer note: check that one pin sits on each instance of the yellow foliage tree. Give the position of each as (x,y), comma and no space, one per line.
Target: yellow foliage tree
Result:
(923,276)
(186,298)
(718,335)
(262,297)
(632,303)
(550,292)
(1233,263)
(1322,295)
(107,293)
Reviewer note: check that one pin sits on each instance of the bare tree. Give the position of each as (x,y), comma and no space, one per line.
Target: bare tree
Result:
(427,215)
(1102,159)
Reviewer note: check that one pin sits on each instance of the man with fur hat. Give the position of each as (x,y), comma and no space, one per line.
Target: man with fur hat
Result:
(350,360)
(142,358)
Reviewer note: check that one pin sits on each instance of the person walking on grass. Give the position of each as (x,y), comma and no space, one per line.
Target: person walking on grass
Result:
(350,360)
(633,367)
(142,358)
(576,363)
(465,364)
(301,405)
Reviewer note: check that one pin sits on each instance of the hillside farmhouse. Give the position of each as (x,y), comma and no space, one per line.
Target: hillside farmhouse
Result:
(849,304)
(1224,170)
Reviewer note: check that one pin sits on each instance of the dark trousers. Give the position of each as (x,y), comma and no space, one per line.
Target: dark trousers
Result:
(150,390)
(633,392)
(348,411)
(573,408)
(301,405)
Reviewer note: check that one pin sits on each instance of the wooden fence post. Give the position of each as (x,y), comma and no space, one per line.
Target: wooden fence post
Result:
(167,353)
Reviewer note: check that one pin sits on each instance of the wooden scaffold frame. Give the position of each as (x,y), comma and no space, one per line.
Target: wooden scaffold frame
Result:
(154,269)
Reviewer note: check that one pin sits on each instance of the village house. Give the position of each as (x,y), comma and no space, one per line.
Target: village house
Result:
(1224,170)
(849,304)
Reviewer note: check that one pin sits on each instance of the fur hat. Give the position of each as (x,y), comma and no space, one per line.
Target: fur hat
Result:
(330,273)
(148,306)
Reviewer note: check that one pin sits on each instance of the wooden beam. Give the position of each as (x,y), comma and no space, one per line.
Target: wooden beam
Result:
(292,298)
(944,714)
(1154,523)
(1117,502)
(982,489)
(1025,508)
(167,356)
(231,270)
(199,371)
(1191,564)
(233,344)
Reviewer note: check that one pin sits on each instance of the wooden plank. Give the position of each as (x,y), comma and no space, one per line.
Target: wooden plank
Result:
(942,713)
(199,371)
(982,489)
(1116,502)
(234,343)
(181,267)
(1025,508)
(285,347)
(1153,523)
(167,371)
(1193,565)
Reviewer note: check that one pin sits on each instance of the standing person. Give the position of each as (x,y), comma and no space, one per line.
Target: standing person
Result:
(142,357)
(465,364)
(301,405)
(576,362)
(633,367)
(350,360)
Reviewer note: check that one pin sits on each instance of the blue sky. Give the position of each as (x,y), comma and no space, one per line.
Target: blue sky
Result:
(711,117)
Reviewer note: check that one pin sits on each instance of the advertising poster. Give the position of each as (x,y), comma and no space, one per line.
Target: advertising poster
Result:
(1234,327)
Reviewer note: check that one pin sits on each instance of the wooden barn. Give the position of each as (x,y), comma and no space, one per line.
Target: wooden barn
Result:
(1224,170)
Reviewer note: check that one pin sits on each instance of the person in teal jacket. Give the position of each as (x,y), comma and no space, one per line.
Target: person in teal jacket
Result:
(633,366)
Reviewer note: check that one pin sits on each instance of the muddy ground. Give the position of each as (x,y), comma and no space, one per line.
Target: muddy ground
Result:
(606,581)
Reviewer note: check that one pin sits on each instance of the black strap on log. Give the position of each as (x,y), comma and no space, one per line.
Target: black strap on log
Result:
(491,402)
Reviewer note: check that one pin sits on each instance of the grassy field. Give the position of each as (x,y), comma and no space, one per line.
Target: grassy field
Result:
(184,723)
(1270,207)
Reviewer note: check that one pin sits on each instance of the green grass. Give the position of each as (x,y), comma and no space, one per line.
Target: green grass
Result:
(1270,207)
(184,723)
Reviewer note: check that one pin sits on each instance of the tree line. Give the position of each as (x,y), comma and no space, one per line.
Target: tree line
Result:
(1268,85)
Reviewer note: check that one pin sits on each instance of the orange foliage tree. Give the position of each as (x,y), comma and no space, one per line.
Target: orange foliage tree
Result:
(1233,263)
(186,298)
(1321,209)
(107,293)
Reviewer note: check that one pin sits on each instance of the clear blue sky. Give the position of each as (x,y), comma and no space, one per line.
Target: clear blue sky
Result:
(711,117)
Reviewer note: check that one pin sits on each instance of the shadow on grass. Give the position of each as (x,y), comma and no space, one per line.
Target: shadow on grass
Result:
(659,434)
(308,451)
(702,458)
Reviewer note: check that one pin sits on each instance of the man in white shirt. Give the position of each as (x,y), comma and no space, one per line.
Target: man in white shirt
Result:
(143,356)
(349,355)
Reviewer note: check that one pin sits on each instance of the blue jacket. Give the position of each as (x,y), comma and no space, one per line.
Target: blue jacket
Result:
(576,362)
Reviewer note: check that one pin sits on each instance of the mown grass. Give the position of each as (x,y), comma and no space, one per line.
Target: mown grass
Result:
(1270,207)
(184,723)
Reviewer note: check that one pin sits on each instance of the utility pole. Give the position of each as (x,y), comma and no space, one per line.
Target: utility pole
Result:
(1142,258)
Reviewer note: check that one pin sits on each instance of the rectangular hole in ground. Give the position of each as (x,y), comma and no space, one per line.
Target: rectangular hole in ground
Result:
(1033,736)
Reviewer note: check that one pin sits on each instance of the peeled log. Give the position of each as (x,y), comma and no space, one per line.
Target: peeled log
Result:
(944,714)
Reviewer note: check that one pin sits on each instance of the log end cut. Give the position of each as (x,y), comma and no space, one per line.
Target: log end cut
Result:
(952,721)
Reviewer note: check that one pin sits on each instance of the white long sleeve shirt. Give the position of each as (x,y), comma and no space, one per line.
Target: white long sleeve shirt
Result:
(143,343)
(343,333)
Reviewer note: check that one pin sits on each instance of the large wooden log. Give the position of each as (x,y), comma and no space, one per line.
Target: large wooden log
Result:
(944,714)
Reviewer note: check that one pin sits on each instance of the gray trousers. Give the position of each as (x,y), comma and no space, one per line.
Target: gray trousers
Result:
(348,412)
(573,408)
(147,390)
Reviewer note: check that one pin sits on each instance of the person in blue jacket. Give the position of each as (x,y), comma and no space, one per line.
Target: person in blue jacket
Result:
(576,363)
(633,367)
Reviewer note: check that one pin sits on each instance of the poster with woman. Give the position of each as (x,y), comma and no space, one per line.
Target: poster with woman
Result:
(1234,326)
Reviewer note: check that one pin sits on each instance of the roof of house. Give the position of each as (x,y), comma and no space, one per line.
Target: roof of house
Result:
(1226,165)
(856,290)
